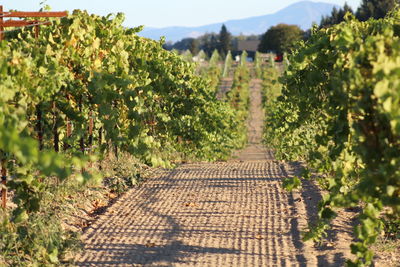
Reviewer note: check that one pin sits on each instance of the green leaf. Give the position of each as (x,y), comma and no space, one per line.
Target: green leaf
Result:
(291,183)
(20,215)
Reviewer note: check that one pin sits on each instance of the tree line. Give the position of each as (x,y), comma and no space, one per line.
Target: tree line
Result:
(375,9)
(209,42)
(280,38)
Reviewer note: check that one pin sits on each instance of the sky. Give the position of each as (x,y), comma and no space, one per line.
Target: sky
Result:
(165,13)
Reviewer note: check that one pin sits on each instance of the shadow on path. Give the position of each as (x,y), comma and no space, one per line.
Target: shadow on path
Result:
(175,252)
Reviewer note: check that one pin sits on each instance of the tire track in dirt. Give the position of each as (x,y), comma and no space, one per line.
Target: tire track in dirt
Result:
(223,214)
(231,213)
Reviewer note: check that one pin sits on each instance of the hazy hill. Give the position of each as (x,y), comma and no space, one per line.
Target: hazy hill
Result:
(302,13)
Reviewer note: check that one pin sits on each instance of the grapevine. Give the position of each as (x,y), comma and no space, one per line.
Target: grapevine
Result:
(84,89)
(339,111)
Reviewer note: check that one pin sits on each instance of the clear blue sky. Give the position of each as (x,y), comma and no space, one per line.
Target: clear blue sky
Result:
(163,13)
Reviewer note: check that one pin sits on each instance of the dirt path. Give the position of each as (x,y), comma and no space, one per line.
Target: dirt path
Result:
(221,214)
(224,86)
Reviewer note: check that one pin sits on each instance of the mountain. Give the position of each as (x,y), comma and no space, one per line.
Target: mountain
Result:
(302,14)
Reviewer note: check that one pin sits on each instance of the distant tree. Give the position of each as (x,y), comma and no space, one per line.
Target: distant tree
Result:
(194,46)
(209,42)
(183,44)
(280,38)
(224,41)
(336,17)
(168,46)
(375,8)
(213,45)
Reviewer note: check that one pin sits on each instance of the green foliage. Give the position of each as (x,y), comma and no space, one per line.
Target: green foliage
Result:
(391,226)
(280,38)
(227,65)
(224,41)
(258,65)
(285,61)
(187,55)
(376,9)
(121,173)
(212,71)
(37,240)
(243,59)
(337,16)
(272,60)
(142,99)
(291,183)
(339,111)
(270,85)
(209,42)
(238,98)
(183,45)
(215,58)
(194,46)
(202,55)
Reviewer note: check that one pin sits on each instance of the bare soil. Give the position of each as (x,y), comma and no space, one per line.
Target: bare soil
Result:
(232,213)
(224,86)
